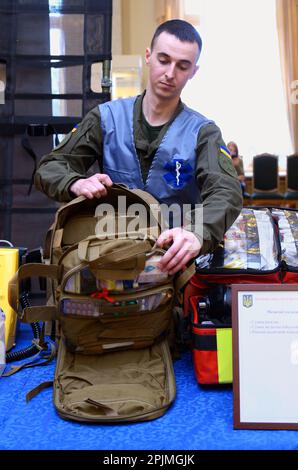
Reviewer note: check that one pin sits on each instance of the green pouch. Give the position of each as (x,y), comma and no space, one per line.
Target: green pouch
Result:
(134,385)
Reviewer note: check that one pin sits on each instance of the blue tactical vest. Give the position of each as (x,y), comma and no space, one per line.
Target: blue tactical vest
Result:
(171,178)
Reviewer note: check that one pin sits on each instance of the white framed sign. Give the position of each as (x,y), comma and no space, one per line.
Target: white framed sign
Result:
(265,356)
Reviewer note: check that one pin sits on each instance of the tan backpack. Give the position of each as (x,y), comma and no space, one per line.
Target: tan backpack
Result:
(112,306)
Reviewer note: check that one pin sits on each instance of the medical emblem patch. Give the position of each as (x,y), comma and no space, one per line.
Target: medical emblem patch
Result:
(179,173)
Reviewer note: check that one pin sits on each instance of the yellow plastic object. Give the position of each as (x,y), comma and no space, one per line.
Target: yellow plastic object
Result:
(224,355)
(9,261)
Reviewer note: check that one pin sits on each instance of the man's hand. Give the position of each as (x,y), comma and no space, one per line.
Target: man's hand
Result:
(94,186)
(185,246)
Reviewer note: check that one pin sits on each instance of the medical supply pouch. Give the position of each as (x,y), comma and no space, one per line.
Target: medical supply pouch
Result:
(287,221)
(113,308)
(250,253)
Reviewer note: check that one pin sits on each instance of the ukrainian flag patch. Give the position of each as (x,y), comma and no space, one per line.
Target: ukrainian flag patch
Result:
(75,128)
(225,151)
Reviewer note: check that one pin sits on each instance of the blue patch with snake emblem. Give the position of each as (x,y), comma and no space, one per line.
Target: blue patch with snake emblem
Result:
(178,173)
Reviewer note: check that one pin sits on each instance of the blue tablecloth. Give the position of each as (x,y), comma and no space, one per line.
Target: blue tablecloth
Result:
(200,419)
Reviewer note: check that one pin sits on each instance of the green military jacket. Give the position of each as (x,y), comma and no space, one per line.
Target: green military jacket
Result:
(75,156)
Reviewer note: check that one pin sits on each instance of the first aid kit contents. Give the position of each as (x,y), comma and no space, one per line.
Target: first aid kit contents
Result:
(90,308)
(249,253)
(288,233)
(250,243)
(85,282)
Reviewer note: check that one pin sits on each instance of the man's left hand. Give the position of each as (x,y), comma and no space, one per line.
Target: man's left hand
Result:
(184,247)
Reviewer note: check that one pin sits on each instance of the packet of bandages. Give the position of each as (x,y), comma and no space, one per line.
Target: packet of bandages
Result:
(152,273)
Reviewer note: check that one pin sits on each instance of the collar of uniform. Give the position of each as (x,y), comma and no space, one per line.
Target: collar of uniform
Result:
(140,140)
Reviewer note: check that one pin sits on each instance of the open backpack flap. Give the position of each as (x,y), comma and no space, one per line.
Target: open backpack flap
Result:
(113,308)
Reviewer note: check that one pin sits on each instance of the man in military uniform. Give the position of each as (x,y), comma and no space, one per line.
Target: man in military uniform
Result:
(156,143)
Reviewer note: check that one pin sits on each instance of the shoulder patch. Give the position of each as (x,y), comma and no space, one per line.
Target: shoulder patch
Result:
(225,161)
(78,131)
(74,129)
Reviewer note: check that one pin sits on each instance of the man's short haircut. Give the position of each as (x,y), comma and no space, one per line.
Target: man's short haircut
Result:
(181,30)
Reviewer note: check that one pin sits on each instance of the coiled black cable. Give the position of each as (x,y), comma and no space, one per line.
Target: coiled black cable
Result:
(29,350)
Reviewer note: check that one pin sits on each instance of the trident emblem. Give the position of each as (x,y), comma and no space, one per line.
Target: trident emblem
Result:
(247,300)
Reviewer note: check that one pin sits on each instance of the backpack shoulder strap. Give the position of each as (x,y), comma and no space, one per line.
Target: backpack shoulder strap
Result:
(183,279)
(25,271)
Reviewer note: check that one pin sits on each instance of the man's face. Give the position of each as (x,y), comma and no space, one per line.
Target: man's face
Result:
(171,64)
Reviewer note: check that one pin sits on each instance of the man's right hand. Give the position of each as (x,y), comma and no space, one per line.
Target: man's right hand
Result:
(94,186)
